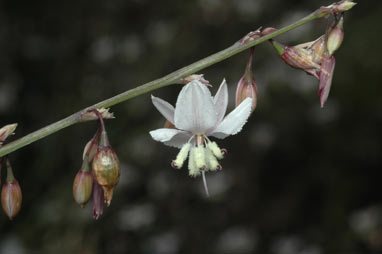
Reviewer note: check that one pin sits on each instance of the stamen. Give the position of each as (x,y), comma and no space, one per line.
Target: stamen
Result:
(212,162)
(193,171)
(181,157)
(205,184)
(216,150)
(200,159)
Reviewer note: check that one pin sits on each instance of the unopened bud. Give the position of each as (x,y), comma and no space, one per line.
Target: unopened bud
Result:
(11,196)
(343,5)
(106,167)
(247,87)
(6,131)
(335,37)
(83,185)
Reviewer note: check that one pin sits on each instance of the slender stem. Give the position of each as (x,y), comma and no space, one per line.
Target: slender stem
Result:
(172,78)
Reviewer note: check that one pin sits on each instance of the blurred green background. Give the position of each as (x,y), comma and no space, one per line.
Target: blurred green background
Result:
(298,179)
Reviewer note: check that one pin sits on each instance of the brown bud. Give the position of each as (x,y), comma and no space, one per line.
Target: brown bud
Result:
(11,198)
(106,167)
(83,186)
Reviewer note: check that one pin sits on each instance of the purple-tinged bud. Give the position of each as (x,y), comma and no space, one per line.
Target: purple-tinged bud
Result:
(98,200)
(298,57)
(106,167)
(335,37)
(6,131)
(11,196)
(247,87)
(326,76)
(83,184)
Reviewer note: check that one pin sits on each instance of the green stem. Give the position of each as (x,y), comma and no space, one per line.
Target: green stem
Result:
(172,78)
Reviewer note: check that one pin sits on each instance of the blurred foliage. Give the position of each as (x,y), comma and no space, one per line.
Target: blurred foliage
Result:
(298,179)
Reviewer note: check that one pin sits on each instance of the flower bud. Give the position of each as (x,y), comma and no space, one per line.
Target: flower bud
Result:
(335,37)
(268,30)
(83,185)
(319,48)
(106,167)
(6,131)
(298,57)
(247,87)
(98,200)
(343,5)
(11,196)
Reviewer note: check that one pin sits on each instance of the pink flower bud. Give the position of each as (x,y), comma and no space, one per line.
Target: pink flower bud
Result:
(335,37)
(83,186)
(106,167)
(11,198)
(247,87)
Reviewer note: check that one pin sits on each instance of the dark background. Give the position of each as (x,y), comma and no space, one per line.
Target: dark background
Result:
(298,179)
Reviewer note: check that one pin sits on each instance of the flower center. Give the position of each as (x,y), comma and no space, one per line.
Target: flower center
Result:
(203,156)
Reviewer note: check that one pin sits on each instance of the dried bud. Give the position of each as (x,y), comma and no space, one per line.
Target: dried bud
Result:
(11,196)
(83,184)
(319,48)
(336,36)
(298,57)
(98,200)
(6,131)
(91,115)
(326,76)
(106,167)
(247,87)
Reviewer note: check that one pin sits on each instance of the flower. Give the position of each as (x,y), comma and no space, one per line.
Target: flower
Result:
(197,116)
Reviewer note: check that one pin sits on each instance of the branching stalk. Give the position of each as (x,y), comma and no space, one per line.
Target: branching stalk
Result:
(172,78)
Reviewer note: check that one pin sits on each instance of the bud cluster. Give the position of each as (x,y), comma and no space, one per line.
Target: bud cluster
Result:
(99,173)
(316,57)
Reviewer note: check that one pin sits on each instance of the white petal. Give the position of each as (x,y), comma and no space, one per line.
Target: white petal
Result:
(234,121)
(195,109)
(221,101)
(165,108)
(171,137)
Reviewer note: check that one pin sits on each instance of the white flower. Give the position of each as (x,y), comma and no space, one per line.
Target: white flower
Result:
(196,116)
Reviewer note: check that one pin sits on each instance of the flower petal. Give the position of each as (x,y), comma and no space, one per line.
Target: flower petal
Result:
(171,137)
(165,108)
(195,109)
(221,101)
(234,121)
(326,76)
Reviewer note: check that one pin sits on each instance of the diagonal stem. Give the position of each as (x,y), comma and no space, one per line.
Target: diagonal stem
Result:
(172,78)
